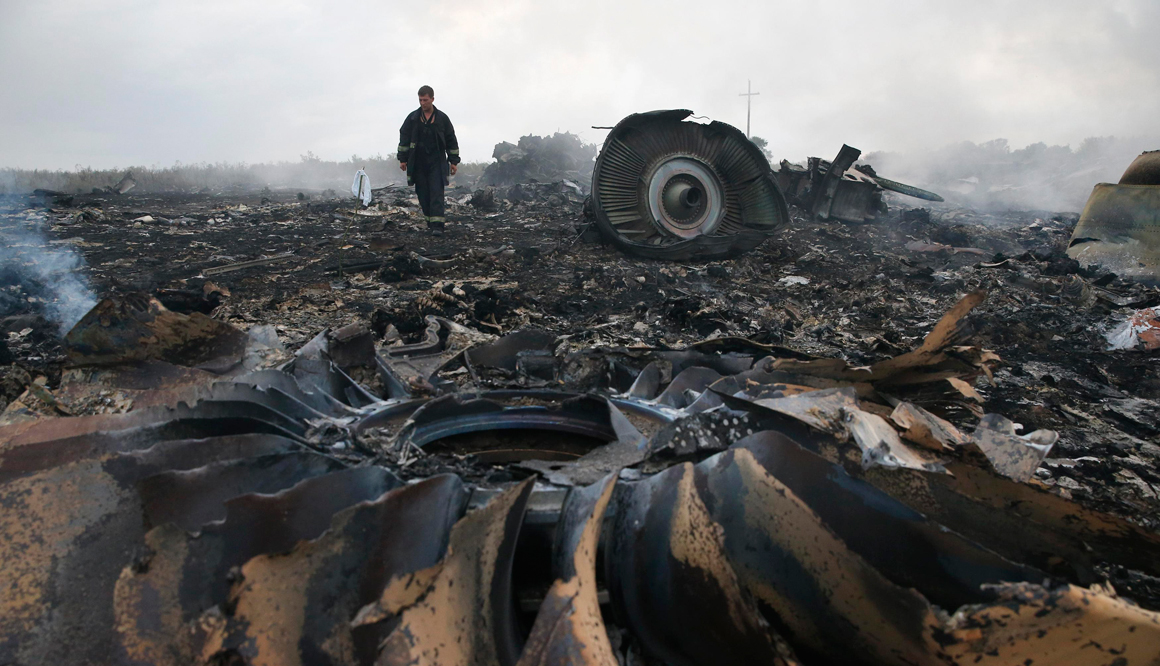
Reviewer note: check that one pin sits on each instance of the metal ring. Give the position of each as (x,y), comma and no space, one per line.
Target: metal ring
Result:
(685,197)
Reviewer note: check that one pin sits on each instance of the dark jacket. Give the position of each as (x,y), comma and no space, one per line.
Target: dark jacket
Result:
(447,151)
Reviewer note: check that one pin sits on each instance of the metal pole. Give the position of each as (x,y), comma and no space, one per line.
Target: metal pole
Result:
(748,95)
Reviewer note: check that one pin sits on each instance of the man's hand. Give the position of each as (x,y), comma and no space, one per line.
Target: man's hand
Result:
(454,168)
(402,166)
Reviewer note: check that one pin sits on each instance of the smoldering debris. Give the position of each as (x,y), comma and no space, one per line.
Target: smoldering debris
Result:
(39,276)
(561,156)
(594,458)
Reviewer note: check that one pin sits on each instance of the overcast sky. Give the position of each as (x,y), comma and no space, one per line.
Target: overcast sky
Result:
(107,83)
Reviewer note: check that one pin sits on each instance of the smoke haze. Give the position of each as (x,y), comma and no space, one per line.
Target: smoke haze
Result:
(39,277)
(120,83)
(993,176)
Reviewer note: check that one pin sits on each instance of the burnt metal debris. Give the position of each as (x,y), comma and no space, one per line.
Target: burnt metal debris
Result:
(926,438)
(667,187)
(729,502)
(1119,229)
(840,190)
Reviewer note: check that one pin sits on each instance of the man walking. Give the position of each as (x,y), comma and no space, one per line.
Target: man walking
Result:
(429,153)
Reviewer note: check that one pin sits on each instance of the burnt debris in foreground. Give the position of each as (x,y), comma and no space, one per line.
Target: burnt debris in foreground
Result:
(293,431)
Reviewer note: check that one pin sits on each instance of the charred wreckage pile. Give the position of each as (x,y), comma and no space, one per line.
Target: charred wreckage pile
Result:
(351,443)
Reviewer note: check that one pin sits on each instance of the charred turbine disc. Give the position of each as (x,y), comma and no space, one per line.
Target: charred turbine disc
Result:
(667,188)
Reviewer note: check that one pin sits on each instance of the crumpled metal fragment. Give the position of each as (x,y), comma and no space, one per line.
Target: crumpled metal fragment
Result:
(368,547)
(816,534)
(459,611)
(569,628)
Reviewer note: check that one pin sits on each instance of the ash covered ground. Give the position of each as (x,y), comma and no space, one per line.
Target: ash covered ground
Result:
(522,256)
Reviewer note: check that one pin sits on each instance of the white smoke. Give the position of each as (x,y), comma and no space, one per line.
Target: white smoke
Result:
(993,176)
(41,277)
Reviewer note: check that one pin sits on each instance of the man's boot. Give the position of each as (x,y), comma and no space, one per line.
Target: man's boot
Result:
(435,224)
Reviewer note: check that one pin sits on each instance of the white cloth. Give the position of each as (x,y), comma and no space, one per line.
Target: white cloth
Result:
(361,188)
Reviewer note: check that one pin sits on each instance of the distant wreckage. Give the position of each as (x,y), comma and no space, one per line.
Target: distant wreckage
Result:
(1120,225)
(666,187)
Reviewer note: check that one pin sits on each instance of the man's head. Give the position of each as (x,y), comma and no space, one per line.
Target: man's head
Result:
(426,98)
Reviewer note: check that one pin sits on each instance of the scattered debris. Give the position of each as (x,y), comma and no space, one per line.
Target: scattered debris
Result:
(264,261)
(536,449)
(562,156)
(1140,331)
(680,534)
(126,183)
(840,190)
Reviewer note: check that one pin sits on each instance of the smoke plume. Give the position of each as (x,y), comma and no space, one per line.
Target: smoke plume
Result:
(38,276)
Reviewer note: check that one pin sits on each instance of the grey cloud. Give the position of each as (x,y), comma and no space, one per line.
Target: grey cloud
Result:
(118,82)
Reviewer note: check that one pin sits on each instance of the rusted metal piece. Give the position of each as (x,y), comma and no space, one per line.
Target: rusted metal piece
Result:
(139,328)
(193,498)
(461,610)
(733,529)
(292,608)
(67,532)
(828,603)
(1063,626)
(146,383)
(569,628)
(901,543)
(68,528)
(666,569)
(834,606)
(1023,522)
(180,454)
(159,602)
(60,441)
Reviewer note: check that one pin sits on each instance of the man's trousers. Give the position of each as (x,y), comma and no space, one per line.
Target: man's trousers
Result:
(428,179)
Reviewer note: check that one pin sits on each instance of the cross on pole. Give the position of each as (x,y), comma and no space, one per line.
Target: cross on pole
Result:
(748,104)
